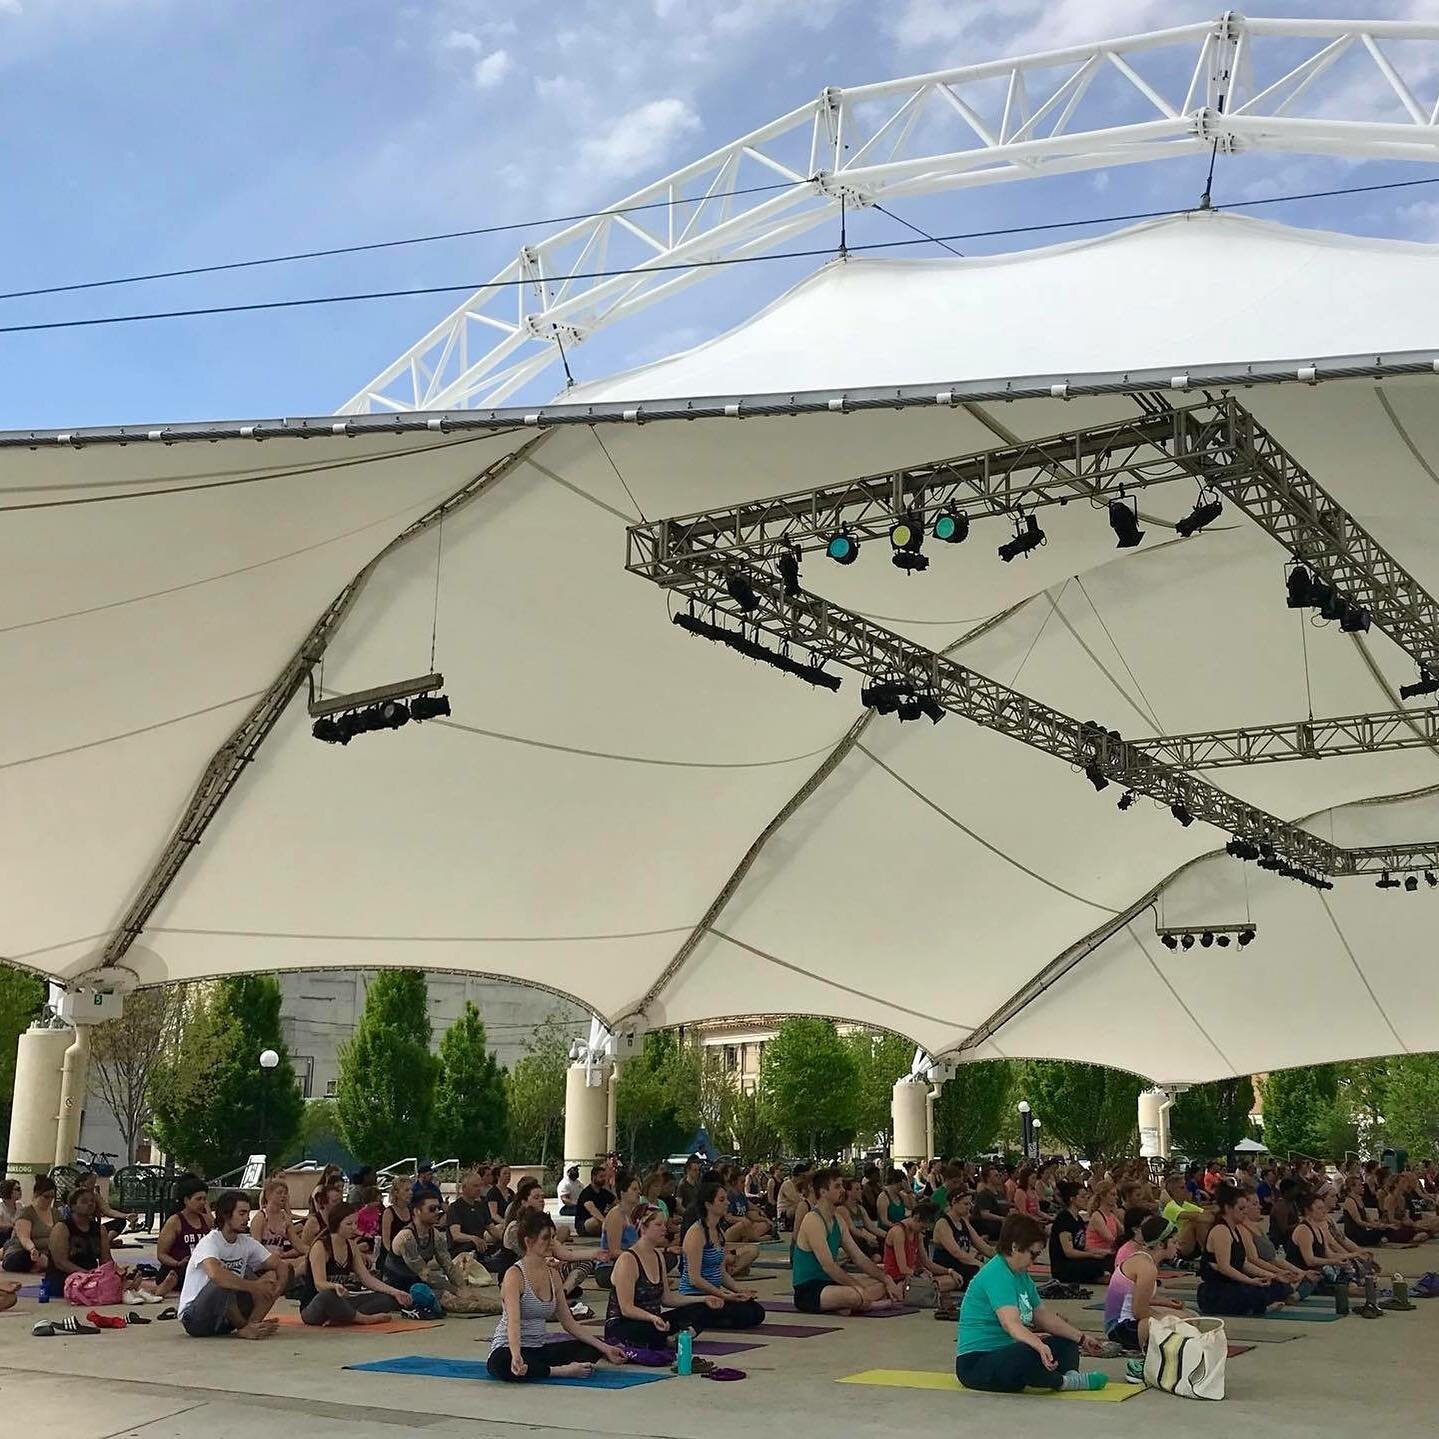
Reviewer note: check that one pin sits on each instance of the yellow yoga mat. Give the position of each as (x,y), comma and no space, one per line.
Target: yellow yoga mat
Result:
(1114,1393)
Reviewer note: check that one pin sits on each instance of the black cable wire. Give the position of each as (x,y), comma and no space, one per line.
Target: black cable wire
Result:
(472,287)
(910,225)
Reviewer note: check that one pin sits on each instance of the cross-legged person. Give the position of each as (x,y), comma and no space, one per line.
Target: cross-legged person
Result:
(338,1285)
(420,1256)
(232,1280)
(644,1311)
(705,1264)
(1009,1339)
(958,1245)
(531,1299)
(27,1251)
(1067,1260)
(821,1286)
(1226,1285)
(906,1254)
(182,1231)
(1133,1295)
(273,1224)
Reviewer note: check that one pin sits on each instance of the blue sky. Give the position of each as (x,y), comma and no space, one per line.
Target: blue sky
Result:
(151,134)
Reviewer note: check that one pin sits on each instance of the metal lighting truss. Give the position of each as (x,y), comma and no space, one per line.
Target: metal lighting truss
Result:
(701,555)
(1319,87)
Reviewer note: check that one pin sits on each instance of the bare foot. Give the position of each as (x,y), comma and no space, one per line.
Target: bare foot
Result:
(371,1318)
(572,1371)
(255,1331)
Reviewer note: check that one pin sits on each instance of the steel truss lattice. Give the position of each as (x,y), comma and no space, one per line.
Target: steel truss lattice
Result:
(701,555)
(1318,87)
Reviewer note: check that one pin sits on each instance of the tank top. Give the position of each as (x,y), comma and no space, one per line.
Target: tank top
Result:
(628,1237)
(336,1271)
(649,1294)
(1119,1297)
(535,1315)
(711,1267)
(1316,1243)
(911,1255)
(274,1239)
(805,1267)
(84,1244)
(895,1211)
(183,1245)
(1208,1274)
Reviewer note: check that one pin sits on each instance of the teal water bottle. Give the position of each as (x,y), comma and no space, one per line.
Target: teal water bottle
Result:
(686,1348)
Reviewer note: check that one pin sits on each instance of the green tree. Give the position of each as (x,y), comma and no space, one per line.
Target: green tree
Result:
(1087,1107)
(880,1058)
(385,1094)
(471,1117)
(212,1103)
(973,1108)
(1360,1109)
(646,1110)
(536,1087)
(1412,1104)
(1299,1109)
(810,1086)
(21,999)
(1208,1120)
(755,1136)
(125,1052)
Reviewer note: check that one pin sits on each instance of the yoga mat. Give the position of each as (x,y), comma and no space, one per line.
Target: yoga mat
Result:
(929,1379)
(1270,1338)
(430,1367)
(786,1306)
(712,1348)
(1287,1316)
(390,1326)
(794,1331)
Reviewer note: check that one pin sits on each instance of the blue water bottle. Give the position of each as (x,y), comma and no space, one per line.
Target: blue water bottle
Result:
(686,1348)
(45,1287)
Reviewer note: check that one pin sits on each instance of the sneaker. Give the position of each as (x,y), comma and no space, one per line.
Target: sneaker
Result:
(1134,1371)
(581,1311)
(1368,1311)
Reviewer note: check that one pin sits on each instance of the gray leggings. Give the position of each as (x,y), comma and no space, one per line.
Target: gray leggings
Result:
(329,1306)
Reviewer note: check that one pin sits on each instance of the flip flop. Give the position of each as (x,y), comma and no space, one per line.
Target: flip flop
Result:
(133,1318)
(723,1373)
(167,1314)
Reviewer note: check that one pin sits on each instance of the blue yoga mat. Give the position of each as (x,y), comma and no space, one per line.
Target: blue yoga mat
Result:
(429,1367)
(1287,1316)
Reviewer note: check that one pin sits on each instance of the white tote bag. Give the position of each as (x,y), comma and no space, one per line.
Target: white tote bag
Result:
(1186,1356)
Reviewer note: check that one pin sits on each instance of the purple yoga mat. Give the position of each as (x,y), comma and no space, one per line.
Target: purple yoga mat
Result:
(793,1331)
(786,1306)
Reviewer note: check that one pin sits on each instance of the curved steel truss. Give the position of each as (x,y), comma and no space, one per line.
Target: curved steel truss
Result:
(1319,87)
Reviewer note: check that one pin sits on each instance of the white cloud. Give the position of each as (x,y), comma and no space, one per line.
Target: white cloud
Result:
(639,139)
(490,71)
(11,7)
(960,33)
(463,40)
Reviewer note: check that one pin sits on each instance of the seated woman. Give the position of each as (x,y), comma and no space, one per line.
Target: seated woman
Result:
(1263,1257)
(331,1177)
(958,1245)
(820,1285)
(745,1226)
(79,1242)
(705,1267)
(1310,1249)
(644,1311)
(322,1201)
(9,1207)
(396,1214)
(1362,1226)
(573,1264)
(1338,1243)
(273,1224)
(1133,1293)
(1226,1284)
(1403,1202)
(27,1251)
(1067,1260)
(1105,1231)
(1009,1339)
(369,1210)
(182,1231)
(864,1231)
(116,1221)
(618,1232)
(530,1299)
(895,1199)
(906,1253)
(338,1286)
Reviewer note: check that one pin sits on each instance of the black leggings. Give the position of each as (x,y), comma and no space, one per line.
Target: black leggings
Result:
(18,1263)
(540,1360)
(1017,1367)
(641,1334)
(329,1306)
(1078,1271)
(1218,1295)
(736,1314)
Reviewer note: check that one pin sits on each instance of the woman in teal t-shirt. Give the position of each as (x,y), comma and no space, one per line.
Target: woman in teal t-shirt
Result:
(1008,1338)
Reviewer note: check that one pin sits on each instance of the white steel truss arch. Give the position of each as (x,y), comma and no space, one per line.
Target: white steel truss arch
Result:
(1319,87)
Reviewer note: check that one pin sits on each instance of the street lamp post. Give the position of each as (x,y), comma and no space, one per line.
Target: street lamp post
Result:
(1034,1125)
(269,1063)
(1026,1128)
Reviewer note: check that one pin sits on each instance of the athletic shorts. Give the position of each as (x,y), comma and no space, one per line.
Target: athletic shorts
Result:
(807,1295)
(1126,1332)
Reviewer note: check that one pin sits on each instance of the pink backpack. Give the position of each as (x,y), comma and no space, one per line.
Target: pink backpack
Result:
(95,1286)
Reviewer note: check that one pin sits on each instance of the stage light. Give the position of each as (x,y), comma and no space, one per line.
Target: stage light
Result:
(906,534)
(1297,583)
(1126,800)
(883,698)
(1026,538)
(1207,939)
(1321,593)
(1430,878)
(909,709)
(788,566)
(1124,521)
(1356,621)
(1187,941)
(1426,684)
(1335,607)
(1096,777)
(930,706)
(329,730)
(426,707)
(1246,937)
(811,673)
(1182,815)
(1385,882)
(741,591)
(350,725)
(951,526)
(1411,882)
(911,561)
(1222,940)
(1204,513)
(391,715)
(842,549)
(1169,941)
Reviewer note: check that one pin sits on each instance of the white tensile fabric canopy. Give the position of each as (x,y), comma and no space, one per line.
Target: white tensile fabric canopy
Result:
(604,774)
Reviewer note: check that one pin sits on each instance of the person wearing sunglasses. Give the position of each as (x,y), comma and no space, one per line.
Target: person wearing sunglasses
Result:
(1009,1339)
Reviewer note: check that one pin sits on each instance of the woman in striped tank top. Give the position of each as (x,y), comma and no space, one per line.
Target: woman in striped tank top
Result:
(704,1267)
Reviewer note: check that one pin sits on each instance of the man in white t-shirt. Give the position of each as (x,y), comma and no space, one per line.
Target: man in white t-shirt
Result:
(569,1191)
(232,1280)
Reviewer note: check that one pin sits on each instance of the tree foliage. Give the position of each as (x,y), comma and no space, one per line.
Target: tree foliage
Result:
(211,1102)
(536,1091)
(755,1137)
(471,1118)
(1299,1111)
(1412,1104)
(810,1086)
(125,1052)
(1208,1120)
(880,1059)
(973,1108)
(647,1102)
(21,998)
(385,1094)
(1086,1107)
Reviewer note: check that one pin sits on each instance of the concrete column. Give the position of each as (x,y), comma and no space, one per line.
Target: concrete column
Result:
(908,1106)
(612,1143)
(930,1100)
(1154,1123)
(586,1110)
(34,1111)
(74,1075)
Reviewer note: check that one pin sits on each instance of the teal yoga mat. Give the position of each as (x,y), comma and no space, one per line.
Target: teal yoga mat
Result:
(430,1367)
(1299,1315)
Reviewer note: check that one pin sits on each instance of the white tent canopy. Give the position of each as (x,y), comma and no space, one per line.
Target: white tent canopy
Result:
(579,822)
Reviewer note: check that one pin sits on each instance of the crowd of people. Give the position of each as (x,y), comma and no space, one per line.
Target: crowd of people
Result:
(992,1246)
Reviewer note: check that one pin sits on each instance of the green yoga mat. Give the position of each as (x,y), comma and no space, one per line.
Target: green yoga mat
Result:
(1299,1315)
